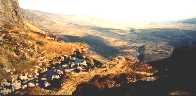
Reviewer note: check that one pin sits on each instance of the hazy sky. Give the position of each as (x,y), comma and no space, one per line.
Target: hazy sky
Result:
(119,10)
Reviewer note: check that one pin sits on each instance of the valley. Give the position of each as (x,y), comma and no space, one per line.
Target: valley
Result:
(44,53)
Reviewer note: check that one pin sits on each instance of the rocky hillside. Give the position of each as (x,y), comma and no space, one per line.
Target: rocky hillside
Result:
(22,49)
(10,13)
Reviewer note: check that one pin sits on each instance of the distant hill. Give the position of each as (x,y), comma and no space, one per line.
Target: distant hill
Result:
(190,21)
(111,41)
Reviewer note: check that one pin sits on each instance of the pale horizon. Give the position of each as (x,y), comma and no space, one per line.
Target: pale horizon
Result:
(118,10)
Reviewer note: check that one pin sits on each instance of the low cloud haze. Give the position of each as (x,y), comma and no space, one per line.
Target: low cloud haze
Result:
(118,10)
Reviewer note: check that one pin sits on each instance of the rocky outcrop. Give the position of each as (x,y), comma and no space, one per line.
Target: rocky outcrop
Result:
(49,76)
(10,13)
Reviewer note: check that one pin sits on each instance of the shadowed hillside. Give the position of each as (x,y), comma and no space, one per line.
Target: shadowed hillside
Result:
(96,44)
(174,73)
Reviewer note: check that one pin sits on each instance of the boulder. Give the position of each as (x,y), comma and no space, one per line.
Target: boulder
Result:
(31,84)
(16,85)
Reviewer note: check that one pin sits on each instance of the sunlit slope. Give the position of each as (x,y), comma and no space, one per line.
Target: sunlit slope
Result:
(22,46)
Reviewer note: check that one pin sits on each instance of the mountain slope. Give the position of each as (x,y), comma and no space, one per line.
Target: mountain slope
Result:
(21,47)
(10,13)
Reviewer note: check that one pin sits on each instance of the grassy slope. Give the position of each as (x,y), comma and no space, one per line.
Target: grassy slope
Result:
(23,50)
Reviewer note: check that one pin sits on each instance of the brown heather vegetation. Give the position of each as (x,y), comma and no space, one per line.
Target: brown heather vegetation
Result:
(113,69)
(22,50)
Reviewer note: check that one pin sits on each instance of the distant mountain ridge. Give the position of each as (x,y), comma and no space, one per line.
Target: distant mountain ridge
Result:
(190,21)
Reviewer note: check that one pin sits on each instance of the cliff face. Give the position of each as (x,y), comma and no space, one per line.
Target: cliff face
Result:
(10,13)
